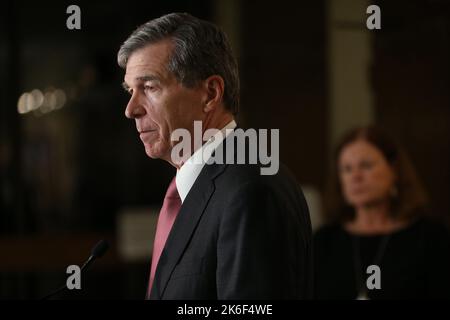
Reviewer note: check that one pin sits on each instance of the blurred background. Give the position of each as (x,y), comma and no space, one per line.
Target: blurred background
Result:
(73,170)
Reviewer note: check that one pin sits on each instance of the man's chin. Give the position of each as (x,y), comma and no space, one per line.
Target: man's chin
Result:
(151,152)
(156,153)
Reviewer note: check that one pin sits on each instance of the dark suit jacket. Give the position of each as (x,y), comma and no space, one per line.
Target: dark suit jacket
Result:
(238,235)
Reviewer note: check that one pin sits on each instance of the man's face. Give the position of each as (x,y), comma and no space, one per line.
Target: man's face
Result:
(159,103)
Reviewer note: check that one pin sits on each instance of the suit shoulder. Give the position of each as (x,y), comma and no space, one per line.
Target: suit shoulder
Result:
(239,175)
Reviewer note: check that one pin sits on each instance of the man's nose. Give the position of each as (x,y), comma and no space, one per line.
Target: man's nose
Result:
(134,108)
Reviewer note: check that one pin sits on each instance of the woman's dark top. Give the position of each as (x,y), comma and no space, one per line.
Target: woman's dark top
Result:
(414,262)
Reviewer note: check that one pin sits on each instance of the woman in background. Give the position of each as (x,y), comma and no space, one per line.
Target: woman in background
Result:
(376,217)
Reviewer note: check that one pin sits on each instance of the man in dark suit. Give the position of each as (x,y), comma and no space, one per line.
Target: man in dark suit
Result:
(225,231)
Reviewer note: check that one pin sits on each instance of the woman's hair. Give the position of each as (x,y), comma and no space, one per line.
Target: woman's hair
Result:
(409,200)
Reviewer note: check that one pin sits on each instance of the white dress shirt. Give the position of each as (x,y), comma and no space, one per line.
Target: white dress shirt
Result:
(191,169)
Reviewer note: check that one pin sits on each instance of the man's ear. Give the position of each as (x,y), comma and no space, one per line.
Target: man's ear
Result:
(215,87)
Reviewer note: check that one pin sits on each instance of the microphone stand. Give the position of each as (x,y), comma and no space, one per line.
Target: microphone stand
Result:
(98,251)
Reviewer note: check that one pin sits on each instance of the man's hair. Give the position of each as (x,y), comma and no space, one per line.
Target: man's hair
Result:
(200,50)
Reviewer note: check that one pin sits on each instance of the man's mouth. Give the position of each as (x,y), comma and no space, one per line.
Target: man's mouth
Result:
(144,134)
(145,131)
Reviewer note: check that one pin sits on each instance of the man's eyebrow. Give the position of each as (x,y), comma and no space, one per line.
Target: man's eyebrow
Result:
(142,79)
(149,78)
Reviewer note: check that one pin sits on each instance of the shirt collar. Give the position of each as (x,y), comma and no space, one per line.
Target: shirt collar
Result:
(191,169)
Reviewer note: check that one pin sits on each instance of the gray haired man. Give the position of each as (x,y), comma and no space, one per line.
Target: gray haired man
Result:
(224,231)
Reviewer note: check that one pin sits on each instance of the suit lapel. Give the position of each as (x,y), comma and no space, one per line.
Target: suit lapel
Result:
(184,226)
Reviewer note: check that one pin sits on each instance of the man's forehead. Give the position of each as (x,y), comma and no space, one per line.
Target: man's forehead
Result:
(151,60)
(149,65)
(144,72)
(154,53)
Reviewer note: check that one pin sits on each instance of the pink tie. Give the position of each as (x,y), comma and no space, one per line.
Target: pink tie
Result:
(167,215)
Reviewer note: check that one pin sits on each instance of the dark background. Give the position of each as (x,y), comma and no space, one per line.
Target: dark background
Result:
(66,174)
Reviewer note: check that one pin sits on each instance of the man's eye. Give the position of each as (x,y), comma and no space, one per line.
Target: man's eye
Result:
(150,88)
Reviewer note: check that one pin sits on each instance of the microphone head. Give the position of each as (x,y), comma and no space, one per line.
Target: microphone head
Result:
(100,248)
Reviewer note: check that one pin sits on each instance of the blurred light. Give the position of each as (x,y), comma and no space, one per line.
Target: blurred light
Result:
(49,102)
(38,98)
(41,103)
(26,103)
(21,104)
(60,98)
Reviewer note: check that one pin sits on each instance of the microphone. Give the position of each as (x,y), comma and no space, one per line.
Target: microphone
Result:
(97,252)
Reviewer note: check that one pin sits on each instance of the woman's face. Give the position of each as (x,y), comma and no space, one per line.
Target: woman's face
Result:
(365,175)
